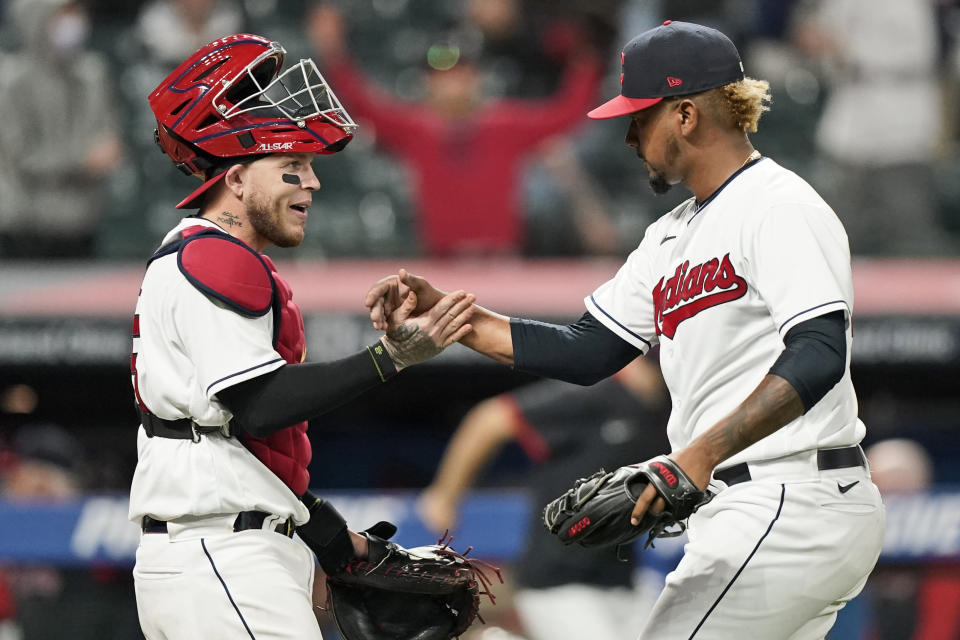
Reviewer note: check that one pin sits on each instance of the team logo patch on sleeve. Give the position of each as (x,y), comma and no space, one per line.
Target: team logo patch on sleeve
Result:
(690,290)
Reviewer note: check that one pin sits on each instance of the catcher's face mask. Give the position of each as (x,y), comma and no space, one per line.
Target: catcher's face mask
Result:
(231,100)
(300,93)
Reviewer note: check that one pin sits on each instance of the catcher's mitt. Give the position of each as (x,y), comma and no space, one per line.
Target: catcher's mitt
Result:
(424,593)
(596,511)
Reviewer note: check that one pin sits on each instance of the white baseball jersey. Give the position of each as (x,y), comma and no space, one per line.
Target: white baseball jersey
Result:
(718,284)
(190,347)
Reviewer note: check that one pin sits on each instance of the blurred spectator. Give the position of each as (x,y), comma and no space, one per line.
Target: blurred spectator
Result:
(572,189)
(9,629)
(48,464)
(899,465)
(122,11)
(466,153)
(510,47)
(910,602)
(563,593)
(14,400)
(18,399)
(59,140)
(525,42)
(171,30)
(773,19)
(882,124)
(17,404)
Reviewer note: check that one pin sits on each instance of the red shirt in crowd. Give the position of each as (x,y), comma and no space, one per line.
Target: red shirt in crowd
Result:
(468,172)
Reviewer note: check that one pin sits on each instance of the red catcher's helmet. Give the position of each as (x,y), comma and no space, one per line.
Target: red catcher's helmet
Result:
(229,101)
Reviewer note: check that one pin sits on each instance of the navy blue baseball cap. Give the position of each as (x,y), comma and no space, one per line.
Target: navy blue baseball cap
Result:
(673,59)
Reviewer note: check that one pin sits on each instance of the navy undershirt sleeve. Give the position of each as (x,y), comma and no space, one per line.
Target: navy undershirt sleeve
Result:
(584,352)
(815,357)
(298,392)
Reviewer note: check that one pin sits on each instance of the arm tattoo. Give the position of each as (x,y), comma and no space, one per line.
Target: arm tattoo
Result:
(772,404)
(408,345)
(227,219)
(403,333)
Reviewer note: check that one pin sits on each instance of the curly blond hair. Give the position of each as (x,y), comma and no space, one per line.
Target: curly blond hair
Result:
(738,104)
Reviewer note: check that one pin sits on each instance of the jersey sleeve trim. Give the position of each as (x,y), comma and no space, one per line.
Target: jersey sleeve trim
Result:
(813,312)
(614,325)
(216,385)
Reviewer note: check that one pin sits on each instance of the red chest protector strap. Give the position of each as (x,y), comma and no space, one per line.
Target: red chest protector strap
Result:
(225,268)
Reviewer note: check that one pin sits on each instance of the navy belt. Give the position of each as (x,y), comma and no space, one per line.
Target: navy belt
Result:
(245,520)
(826,459)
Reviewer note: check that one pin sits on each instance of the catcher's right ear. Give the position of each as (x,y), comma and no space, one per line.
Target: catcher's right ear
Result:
(234,180)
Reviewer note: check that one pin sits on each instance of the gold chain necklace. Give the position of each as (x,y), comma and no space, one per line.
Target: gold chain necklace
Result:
(754,155)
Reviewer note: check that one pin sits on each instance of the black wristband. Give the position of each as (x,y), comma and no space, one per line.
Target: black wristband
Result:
(382,361)
(326,534)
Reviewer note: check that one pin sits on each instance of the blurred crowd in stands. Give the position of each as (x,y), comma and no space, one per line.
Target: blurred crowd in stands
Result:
(45,463)
(473,136)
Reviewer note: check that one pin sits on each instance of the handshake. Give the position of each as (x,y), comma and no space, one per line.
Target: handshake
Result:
(419,321)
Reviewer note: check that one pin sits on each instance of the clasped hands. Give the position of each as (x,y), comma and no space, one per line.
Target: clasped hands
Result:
(419,321)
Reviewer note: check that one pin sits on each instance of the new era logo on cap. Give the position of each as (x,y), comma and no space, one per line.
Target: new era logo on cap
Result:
(676,58)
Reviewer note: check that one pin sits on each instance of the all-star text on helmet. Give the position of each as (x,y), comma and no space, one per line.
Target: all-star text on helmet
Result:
(230,101)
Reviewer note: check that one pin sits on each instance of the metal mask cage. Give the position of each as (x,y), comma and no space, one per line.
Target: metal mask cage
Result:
(299,94)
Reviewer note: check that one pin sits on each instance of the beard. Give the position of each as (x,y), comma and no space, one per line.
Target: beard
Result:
(659,183)
(266,221)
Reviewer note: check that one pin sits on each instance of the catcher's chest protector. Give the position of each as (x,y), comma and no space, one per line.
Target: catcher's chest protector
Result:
(227,269)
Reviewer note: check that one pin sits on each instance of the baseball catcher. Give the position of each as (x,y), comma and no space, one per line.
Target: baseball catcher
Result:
(424,593)
(595,512)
